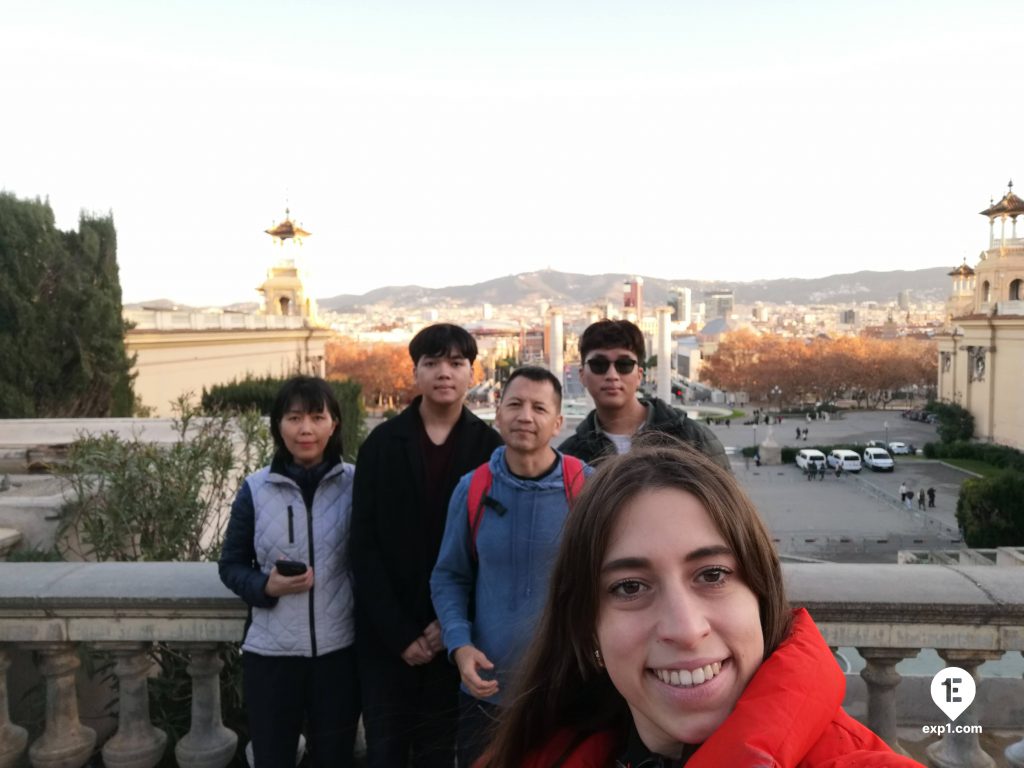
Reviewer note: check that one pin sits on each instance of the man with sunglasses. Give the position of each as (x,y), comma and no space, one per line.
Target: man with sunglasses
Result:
(612,353)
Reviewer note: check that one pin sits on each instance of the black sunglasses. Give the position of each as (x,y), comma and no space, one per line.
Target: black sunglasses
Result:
(623,365)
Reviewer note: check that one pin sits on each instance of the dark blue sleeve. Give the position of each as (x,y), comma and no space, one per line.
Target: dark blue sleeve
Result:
(237,566)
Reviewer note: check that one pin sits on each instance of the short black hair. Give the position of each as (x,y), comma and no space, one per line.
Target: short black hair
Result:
(608,334)
(439,340)
(535,373)
(311,394)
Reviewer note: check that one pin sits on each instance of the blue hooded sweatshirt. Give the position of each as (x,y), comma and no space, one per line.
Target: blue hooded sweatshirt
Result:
(509,583)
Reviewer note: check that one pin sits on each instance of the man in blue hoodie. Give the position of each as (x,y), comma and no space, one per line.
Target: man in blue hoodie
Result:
(491,578)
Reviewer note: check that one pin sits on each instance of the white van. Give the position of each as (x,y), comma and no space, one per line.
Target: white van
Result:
(809,456)
(849,460)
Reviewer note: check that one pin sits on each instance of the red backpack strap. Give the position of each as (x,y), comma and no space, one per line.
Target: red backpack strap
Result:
(479,485)
(572,477)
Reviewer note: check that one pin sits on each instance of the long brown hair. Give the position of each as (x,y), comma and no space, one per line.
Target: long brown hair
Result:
(561,685)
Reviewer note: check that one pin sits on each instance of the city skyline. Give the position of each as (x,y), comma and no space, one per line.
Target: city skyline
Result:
(454,142)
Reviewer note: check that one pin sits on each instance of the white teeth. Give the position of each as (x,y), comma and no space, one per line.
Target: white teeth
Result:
(684,678)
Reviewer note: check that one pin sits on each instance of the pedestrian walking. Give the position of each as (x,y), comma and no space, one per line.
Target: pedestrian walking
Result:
(920,499)
(798,433)
(821,471)
(908,499)
(931,497)
(806,430)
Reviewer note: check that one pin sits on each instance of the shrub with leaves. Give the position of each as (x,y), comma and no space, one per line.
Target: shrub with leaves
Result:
(955,421)
(138,500)
(990,510)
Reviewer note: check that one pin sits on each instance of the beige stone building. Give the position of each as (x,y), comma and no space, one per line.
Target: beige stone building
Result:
(180,352)
(981,356)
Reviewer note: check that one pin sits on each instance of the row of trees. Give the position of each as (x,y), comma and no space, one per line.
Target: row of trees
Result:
(868,370)
(61,333)
(384,371)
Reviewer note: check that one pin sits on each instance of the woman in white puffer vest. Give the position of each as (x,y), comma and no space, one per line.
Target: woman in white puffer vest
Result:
(298,663)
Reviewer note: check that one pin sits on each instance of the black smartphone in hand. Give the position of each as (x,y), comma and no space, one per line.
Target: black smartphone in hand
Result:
(290,567)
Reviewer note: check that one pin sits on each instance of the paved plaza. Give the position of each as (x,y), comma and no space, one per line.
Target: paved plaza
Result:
(855,518)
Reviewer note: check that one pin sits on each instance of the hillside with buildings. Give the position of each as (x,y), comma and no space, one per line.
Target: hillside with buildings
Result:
(570,288)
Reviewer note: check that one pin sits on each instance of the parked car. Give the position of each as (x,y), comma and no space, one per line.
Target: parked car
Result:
(809,456)
(876,444)
(879,460)
(849,460)
(899,449)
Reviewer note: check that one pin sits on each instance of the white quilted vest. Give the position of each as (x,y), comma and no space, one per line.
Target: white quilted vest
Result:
(319,621)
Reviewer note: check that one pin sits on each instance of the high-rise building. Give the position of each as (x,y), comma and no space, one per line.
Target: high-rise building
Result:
(679,299)
(633,297)
(903,300)
(719,303)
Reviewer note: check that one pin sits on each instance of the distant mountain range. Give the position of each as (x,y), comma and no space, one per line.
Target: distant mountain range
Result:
(569,288)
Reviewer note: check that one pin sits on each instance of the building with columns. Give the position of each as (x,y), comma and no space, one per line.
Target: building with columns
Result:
(981,354)
(181,352)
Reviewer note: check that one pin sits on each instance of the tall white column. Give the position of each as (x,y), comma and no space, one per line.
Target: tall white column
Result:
(664,353)
(556,360)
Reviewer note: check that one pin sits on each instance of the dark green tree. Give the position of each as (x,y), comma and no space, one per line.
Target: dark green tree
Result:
(61,329)
(990,510)
(955,421)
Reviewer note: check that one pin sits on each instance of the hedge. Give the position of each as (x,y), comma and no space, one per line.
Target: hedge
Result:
(1000,456)
(789,452)
(258,393)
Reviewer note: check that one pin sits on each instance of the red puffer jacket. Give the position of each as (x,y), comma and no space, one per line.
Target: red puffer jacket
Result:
(789,716)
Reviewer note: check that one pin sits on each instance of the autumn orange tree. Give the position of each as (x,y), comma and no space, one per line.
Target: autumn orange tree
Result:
(383,370)
(821,369)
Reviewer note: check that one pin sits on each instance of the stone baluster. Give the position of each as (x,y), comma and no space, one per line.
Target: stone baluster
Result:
(12,738)
(882,678)
(137,743)
(208,744)
(65,742)
(963,750)
(1015,754)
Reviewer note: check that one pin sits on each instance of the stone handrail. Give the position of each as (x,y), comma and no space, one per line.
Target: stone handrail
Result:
(888,612)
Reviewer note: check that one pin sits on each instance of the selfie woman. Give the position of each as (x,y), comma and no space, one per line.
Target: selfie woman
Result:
(285,554)
(667,639)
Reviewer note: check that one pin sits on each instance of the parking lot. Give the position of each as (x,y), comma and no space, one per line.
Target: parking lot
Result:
(857,517)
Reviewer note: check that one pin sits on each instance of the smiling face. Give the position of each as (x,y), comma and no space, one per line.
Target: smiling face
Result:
(529,416)
(611,390)
(305,435)
(679,630)
(443,380)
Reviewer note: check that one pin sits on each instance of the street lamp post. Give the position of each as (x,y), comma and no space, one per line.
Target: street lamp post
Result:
(777,393)
(886,425)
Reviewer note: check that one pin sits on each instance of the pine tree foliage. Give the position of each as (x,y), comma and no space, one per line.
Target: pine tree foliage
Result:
(61,331)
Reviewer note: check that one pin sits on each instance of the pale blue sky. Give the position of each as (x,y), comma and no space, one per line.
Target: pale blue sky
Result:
(451,142)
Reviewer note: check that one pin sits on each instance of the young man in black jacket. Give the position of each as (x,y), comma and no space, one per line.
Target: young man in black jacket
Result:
(612,356)
(406,471)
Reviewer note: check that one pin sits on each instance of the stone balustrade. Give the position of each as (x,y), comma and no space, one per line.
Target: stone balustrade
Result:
(969,614)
